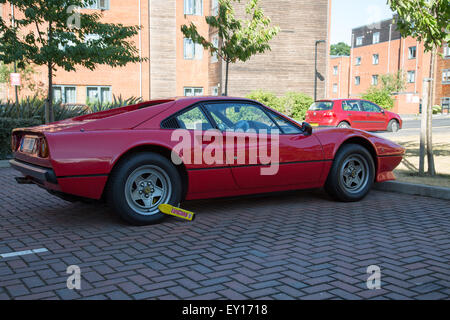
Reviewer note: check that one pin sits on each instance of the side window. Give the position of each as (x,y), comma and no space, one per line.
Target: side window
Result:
(351,105)
(370,107)
(286,126)
(193,119)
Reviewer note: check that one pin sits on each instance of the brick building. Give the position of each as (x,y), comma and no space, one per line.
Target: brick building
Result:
(339,76)
(178,67)
(379,49)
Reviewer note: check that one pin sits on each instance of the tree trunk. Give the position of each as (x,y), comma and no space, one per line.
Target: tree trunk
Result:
(430,156)
(423,125)
(226,78)
(49,116)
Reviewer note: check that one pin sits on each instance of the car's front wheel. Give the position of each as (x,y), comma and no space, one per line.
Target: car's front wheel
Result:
(140,183)
(352,173)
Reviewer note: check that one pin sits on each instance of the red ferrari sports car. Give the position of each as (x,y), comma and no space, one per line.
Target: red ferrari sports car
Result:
(133,158)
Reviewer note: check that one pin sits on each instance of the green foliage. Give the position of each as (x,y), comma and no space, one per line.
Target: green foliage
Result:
(427,21)
(116,103)
(340,49)
(437,109)
(239,38)
(6,126)
(380,96)
(393,83)
(292,104)
(26,74)
(296,104)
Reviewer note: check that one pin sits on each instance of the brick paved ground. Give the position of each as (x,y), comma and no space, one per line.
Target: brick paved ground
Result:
(298,245)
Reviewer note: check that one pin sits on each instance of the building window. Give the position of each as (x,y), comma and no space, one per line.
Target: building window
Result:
(446,76)
(445,103)
(97,94)
(193,92)
(193,7)
(335,88)
(357,80)
(411,77)
(412,51)
(359,41)
(214,7)
(446,51)
(215,42)
(375,80)
(192,50)
(335,70)
(358,61)
(376,37)
(98,4)
(375,58)
(65,94)
(215,91)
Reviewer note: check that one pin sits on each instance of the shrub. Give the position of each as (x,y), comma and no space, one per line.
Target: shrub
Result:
(437,109)
(6,126)
(116,103)
(296,104)
(292,104)
(381,97)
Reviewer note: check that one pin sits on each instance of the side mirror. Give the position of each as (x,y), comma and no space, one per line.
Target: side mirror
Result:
(307,129)
(382,111)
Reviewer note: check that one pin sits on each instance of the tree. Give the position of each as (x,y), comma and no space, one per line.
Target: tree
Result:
(428,21)
(340,49)
(380,96)
(239,38)
(393,83)
(57,34)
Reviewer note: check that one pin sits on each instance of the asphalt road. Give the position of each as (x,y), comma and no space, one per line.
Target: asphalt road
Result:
(411,127)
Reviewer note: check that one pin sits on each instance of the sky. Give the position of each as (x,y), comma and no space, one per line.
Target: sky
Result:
(349,14)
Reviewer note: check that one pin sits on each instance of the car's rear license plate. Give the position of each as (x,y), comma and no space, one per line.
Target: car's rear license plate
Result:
(314,124)
(28,145)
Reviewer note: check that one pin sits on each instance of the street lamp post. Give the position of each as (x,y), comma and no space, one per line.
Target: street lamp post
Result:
(315,68)
(13,23)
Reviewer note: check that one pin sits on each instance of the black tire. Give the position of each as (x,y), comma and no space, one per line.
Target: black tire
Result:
(344,124)
(393,126)
(119,180)
(338,177)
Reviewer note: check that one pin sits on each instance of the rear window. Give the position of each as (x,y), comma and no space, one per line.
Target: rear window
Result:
(321,106)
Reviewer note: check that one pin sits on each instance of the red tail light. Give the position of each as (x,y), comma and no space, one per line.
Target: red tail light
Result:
(43,148)
(14,142)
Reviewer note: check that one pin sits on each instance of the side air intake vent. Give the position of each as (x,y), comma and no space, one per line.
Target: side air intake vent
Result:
(170,123)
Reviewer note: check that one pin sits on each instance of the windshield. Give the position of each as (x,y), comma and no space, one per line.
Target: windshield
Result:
(321,106)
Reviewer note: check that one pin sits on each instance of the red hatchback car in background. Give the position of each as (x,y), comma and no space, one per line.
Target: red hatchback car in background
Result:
(354,113)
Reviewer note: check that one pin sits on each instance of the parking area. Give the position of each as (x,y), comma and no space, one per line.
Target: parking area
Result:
(296,245)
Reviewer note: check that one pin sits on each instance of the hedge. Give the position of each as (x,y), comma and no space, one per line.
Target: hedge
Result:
(6,126)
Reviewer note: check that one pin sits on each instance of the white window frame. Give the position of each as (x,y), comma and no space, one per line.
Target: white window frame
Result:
(197,50)
(335,70)
(375,59)
(215,91)
(375,80)
(411,76)
(193,7)
(98,6)
(410,56)
(215,42)
(359,40)
(446,52)
(358,61)
(357,80)
(63,95)
(99,93)
(446,76)
(376,37)
(335,88)
(193,89)
(214,7)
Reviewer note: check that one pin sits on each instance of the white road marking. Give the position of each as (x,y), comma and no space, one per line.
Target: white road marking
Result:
(22,253)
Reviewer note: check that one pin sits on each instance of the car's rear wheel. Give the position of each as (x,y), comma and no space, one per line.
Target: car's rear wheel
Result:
(344,124)
(140,183)
(352,173)
(393,126)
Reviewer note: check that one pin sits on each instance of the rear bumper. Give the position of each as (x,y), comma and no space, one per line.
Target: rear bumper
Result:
(38,174)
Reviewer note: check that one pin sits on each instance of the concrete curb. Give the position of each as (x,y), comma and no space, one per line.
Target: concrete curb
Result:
(414,189)
(4,164)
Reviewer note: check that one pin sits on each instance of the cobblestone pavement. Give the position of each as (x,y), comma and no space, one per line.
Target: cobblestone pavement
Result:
(297,245)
